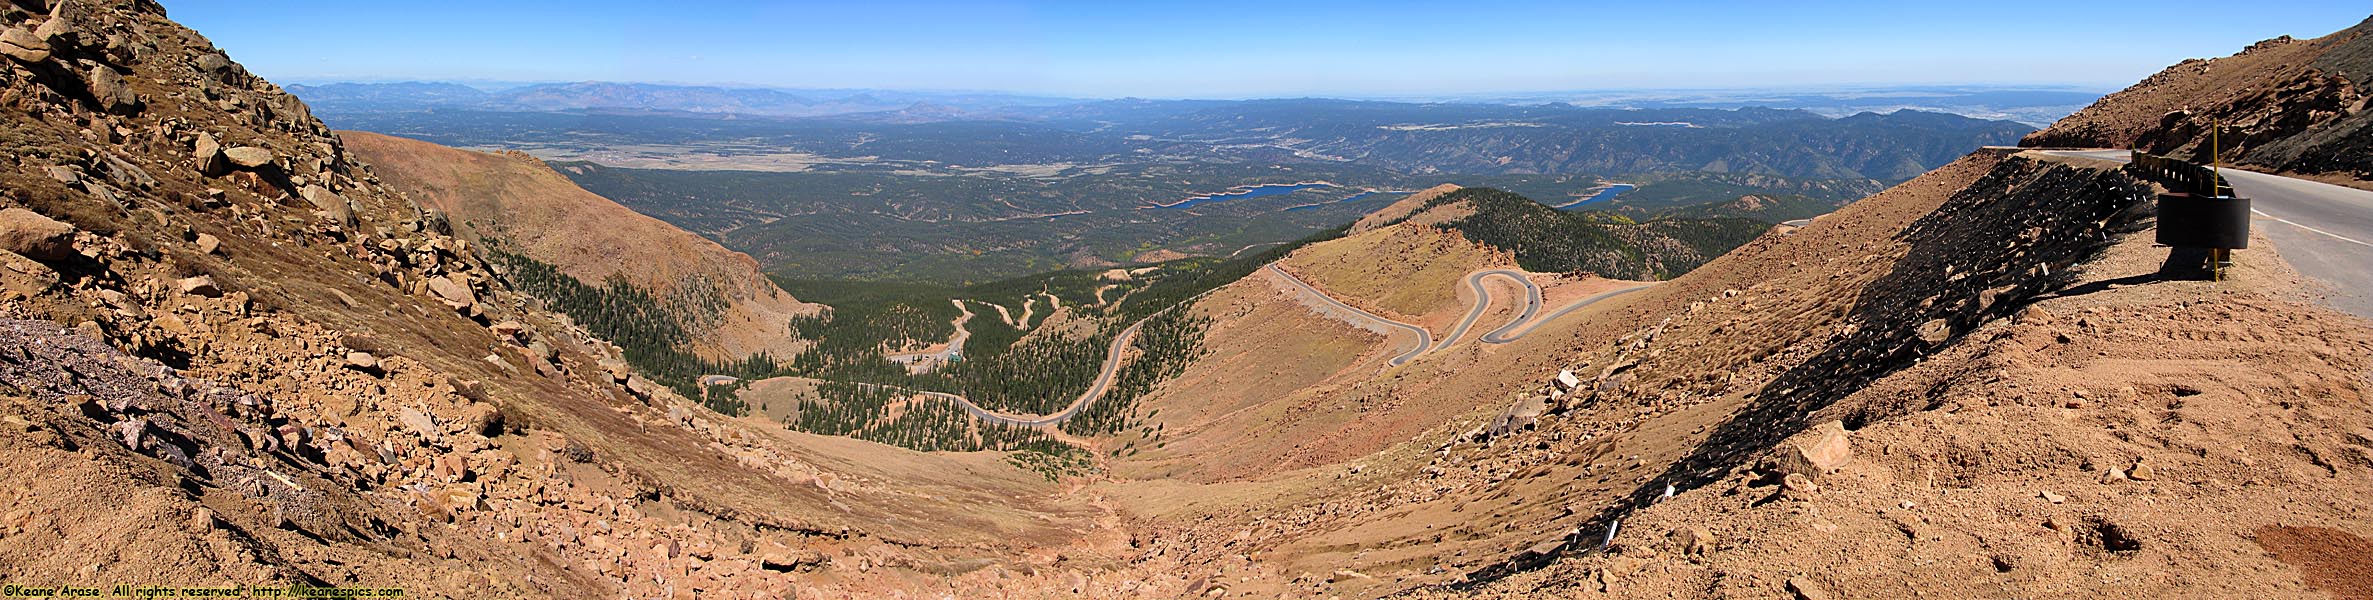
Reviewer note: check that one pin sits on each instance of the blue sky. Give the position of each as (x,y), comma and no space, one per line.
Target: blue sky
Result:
(1233,49)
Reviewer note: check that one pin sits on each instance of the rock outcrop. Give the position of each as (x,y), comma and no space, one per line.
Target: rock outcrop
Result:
(2282,104)
(226,343)
(35,236)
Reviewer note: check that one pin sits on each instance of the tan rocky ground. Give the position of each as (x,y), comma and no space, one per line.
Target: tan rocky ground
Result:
(255,363)
(1905,318)
(233,355)
(2127,438)
(1400,209)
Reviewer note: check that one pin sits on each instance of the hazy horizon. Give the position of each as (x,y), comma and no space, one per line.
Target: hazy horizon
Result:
(1239,50)
(1543,95)
(1586,98)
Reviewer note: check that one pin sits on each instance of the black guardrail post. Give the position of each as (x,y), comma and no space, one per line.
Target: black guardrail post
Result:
(2200,211)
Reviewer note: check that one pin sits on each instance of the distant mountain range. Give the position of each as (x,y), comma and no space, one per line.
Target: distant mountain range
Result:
(1431,138)
(640,97)
(960,188)
(2036,105)
(2033,105)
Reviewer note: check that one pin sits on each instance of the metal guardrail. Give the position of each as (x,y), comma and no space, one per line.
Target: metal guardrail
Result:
(2200,210)
(2180,176)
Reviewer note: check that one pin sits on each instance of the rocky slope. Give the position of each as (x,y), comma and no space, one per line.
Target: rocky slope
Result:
(235,356)
(2282,104)
(231,354)
(719,296)
(2113,439)
(1946,389)
(1983,382)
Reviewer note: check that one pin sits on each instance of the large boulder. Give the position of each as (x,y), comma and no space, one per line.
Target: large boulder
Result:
(1936,331)
(482,419)
(419,422)
(209,155)
(364,362)
(109,89)
(787,559)
(1814,453)
(25,276)
(640,387)
(329,205)
(453,291)
(248,157)
(124,173)
(34,236)
(213,61)
(199,286)
(57,31)
(21,44)
(66,27)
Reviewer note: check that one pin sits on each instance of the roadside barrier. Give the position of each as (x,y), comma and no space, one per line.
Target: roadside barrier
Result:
(2180,176)
(2200,211)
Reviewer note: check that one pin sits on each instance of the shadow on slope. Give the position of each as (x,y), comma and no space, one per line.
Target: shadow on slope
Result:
(1997,245)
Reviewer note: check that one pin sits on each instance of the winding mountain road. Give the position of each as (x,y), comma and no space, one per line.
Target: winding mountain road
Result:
(1532,305)
(1095,391)
(1524,323)
(1425,339)
(946,355)
(2325,231)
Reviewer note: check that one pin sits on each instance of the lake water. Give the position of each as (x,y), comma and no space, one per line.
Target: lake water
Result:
(1255,191)
(1363,195)
(1602,195)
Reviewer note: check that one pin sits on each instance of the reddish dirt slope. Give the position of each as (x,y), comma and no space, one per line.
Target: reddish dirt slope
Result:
(2031,407)
(2125,438)
(536,211)
(230,354)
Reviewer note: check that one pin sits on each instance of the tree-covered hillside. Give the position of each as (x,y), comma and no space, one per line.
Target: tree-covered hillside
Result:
(1549,240)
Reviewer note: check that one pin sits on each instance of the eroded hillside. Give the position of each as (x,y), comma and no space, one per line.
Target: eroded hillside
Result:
(2122,437)
(1976,363)
(725,305)
(251,362)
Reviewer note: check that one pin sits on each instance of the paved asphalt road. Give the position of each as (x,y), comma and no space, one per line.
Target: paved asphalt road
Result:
(2323,230)
(1532,304)
(1516,329)
(1524,324)
(1425,339)
(955,343)
(1112,366)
